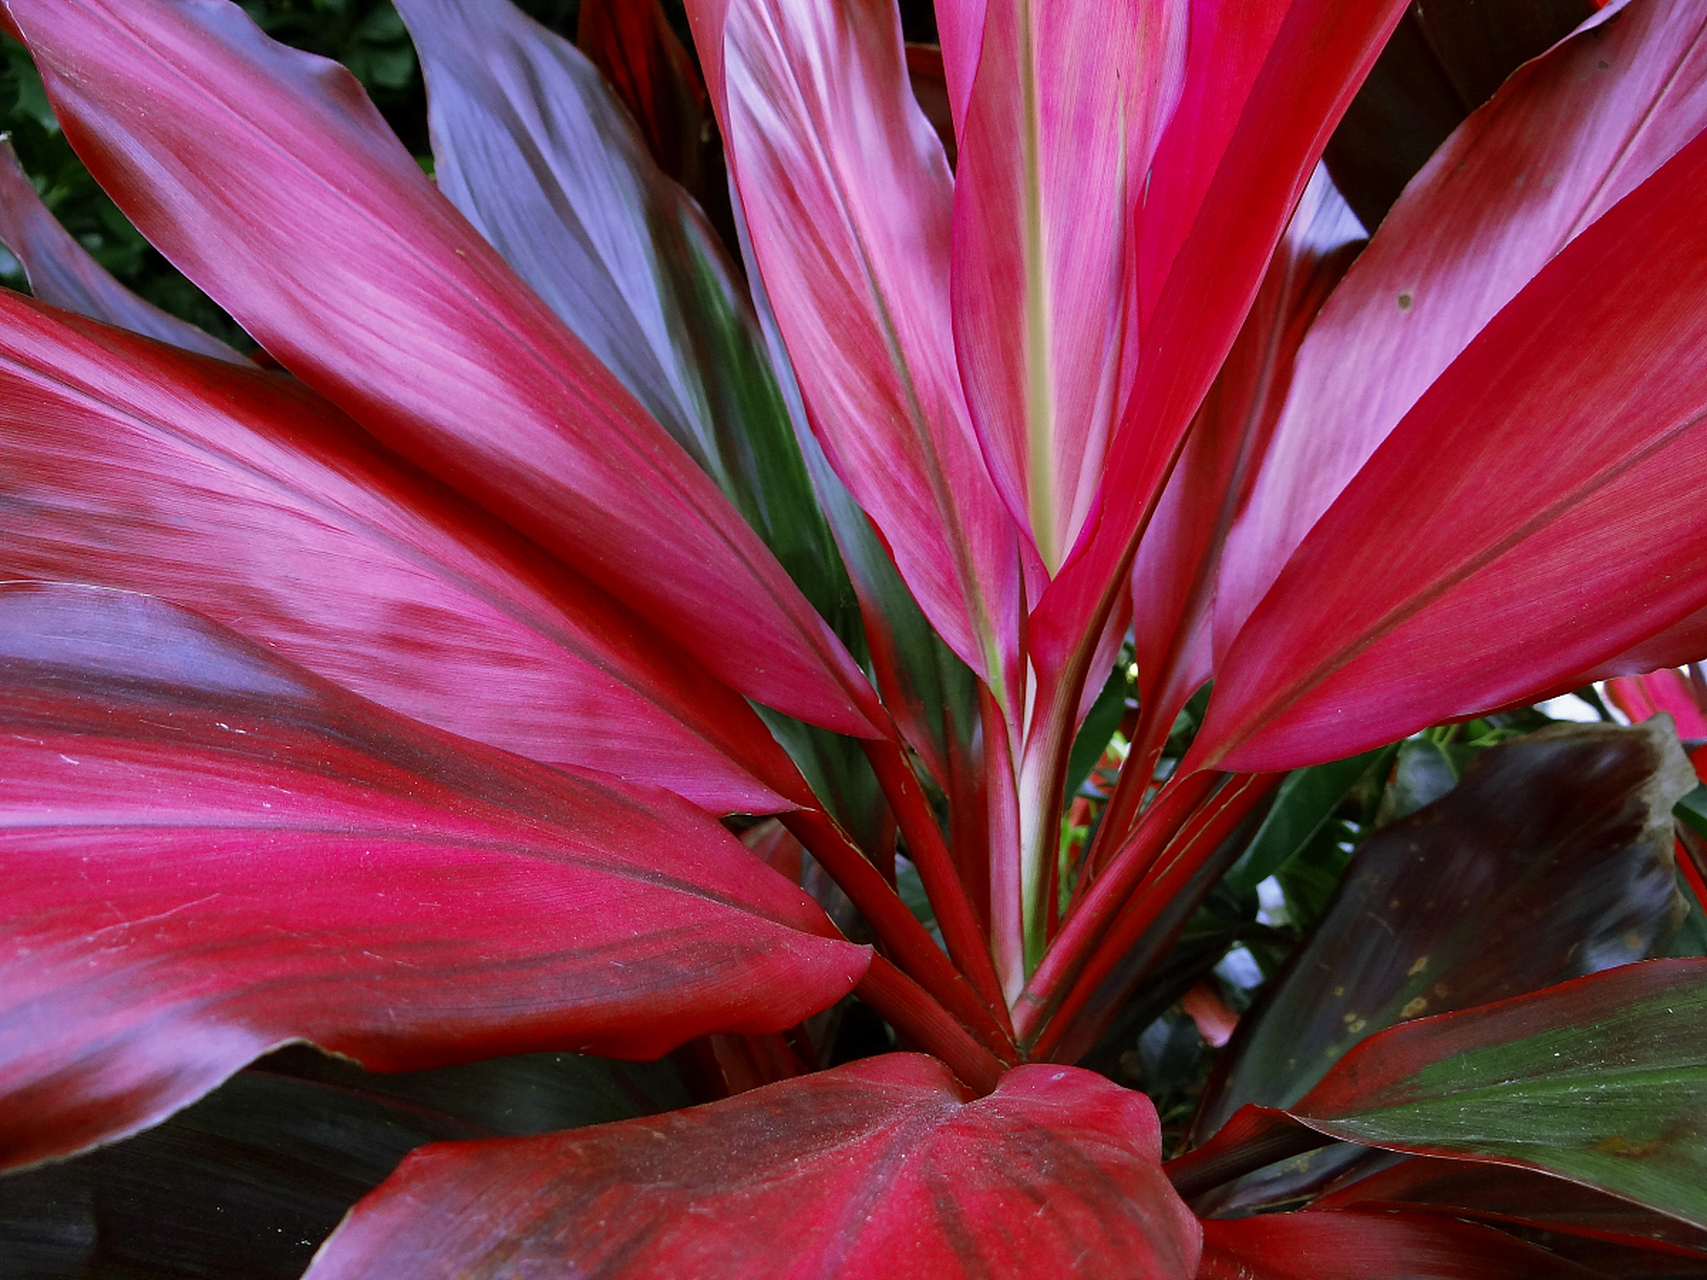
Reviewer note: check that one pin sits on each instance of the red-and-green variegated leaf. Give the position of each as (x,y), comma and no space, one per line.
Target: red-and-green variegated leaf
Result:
(1534,514)
(1174,573)
(1312,1245)
(1521,1197)
(1265,83)
(61,271)
(271,181)
(848,202)
(246,496)
(1569,136)
(1055,151)
(877,1169)
(1601,1080)
(208,852)
(1645,696)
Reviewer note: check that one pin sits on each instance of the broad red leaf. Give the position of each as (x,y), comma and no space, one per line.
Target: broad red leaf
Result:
(208,852)
(877,1169)
(246,496)
(1055,152)
(61,271)
(271,181)
(1265,84)
(1469,564)
(1174,573)
(1314,1245)
(1565,140)
(1551,859)
(847,198)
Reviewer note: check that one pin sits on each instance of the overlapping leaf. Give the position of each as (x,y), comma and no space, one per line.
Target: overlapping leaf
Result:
(209,852)
(248,497)
(270,180)
(1564,141)
(876,1169)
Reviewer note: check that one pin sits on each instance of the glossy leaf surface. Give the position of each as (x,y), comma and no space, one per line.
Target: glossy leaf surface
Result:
(880,1168)
(1371,1246)
(270,180)
(1551,859)
(1563,142)
(1428,593)
(62,272)
(1511,1082)
(209,853)
(847,198)
(249,498)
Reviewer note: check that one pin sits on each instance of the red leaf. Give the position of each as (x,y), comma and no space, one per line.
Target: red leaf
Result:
(876,1169)
(1473,563)
(1565,140)
(847,198)
(209,852)
(248,497)
(270,180)
(61,271)
(1642,697)
(1055,152)
(1372,1246)
(630,41)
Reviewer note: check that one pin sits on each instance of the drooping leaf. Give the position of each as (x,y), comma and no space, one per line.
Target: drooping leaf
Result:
(247,1182)
(1563,142)
(1551,859)
(251,499)
(880,1168)
(1442,62)
(1062,122)
(209,852)
(269,179)
(62,272)
(1430,591)
(1600,1080)
(1313,1245)
(847,199)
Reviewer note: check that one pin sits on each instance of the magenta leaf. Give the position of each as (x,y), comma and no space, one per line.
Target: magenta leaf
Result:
(881,1168)
(62,272)
(1565,140)
(209,852)
(350,268)
(847,198)
(1429,590)
(1313,1245)
(134,466)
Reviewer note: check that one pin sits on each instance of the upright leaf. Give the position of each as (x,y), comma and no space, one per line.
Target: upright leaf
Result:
(270,180)
(877,1169)
(209,852)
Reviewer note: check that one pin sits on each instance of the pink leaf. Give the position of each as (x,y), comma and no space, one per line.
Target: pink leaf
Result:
(246,496)
(877,1169)
(270,180)
(209,853)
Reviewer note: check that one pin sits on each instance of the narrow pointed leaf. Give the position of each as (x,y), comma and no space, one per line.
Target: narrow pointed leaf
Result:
(1372,1246)
(1551,859)
(61,271)
(1569,136)
(209,852)
(1060,127)
(1600,1080)
(1499,589)
(133,466)
(847,199)
(350,268)
(876,1169)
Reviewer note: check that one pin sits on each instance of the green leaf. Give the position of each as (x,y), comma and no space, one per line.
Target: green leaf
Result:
(1302,807)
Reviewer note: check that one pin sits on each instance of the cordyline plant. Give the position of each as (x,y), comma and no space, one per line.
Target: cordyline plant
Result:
(386,692)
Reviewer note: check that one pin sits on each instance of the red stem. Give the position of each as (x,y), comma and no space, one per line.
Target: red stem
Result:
(905,1006)
(898,928)
(1195,841)
(954,914)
